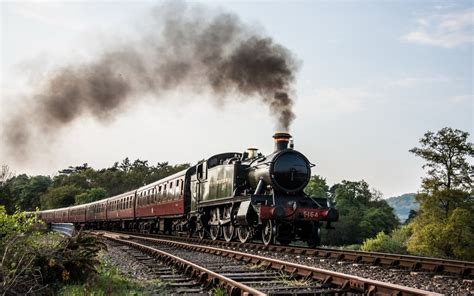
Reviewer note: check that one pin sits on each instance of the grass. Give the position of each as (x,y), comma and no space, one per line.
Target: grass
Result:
(109,281)
(291,281)
(218,292)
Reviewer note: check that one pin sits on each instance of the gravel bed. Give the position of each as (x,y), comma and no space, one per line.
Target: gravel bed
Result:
(126,264)
(445,284)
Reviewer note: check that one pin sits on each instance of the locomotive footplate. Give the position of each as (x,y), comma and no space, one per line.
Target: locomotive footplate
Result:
(300,208)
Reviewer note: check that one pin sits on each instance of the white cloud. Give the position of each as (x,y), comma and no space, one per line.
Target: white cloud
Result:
(447,30)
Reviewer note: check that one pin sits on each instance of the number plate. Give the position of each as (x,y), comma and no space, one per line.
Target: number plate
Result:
(310,214)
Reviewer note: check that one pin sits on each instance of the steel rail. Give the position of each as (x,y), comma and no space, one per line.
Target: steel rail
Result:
(462,268)
(346,282)
(233,287)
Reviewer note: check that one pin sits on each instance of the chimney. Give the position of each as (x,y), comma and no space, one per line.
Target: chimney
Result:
(281,141)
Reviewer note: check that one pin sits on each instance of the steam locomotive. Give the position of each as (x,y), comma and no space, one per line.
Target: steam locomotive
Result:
(227,196)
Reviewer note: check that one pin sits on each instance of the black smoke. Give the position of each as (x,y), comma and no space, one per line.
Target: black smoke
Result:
(180,46)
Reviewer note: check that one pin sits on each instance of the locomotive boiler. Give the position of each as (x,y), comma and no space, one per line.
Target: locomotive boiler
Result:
(228,196)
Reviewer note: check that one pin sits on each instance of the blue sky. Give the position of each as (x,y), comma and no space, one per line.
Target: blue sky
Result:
(374,77)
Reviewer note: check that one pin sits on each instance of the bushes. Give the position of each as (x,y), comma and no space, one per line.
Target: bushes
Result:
(12,225)
(394,243)
(32,262)
(450,238)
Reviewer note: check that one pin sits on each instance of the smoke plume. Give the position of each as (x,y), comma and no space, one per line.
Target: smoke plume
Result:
(185,46)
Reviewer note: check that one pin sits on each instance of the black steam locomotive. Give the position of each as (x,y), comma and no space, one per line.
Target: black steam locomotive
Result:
(230,195)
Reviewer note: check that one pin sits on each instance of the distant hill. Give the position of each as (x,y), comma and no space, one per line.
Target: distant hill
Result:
(403,204)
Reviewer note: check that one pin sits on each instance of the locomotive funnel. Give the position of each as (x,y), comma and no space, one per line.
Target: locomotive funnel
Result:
(281,141)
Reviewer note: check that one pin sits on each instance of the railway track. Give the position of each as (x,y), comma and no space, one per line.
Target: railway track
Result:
(413,263)
(242,273)
(151,268)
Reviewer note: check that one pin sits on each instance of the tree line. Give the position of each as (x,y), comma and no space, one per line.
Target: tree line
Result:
(79,184)
(362,211)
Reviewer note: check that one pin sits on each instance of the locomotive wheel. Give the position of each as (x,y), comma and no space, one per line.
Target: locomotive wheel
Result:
(202,233)
(201,230)
(228,232)
(268,232)
(315,238)
(214,231)
(244,234)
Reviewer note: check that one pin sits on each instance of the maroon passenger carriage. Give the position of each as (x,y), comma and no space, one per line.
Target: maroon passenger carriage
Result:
(120,211)
(160,204)
(77,214)
(96,213)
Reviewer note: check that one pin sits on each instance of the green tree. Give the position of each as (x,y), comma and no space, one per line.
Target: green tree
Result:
(445,153)
(317,187)
(30,196)
(411,216)
(377,218)
(443,226)
(23,192)
(363,214)
(59,197)
(91,195)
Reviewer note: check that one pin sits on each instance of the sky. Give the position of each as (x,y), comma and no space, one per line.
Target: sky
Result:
(374,76)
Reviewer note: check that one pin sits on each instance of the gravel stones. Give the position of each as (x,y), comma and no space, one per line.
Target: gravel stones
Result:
(439,283)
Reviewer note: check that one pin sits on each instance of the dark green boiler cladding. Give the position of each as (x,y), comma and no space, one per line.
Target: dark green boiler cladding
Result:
(287,171)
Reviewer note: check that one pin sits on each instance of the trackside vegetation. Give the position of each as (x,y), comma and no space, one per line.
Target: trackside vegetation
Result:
(37,262)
